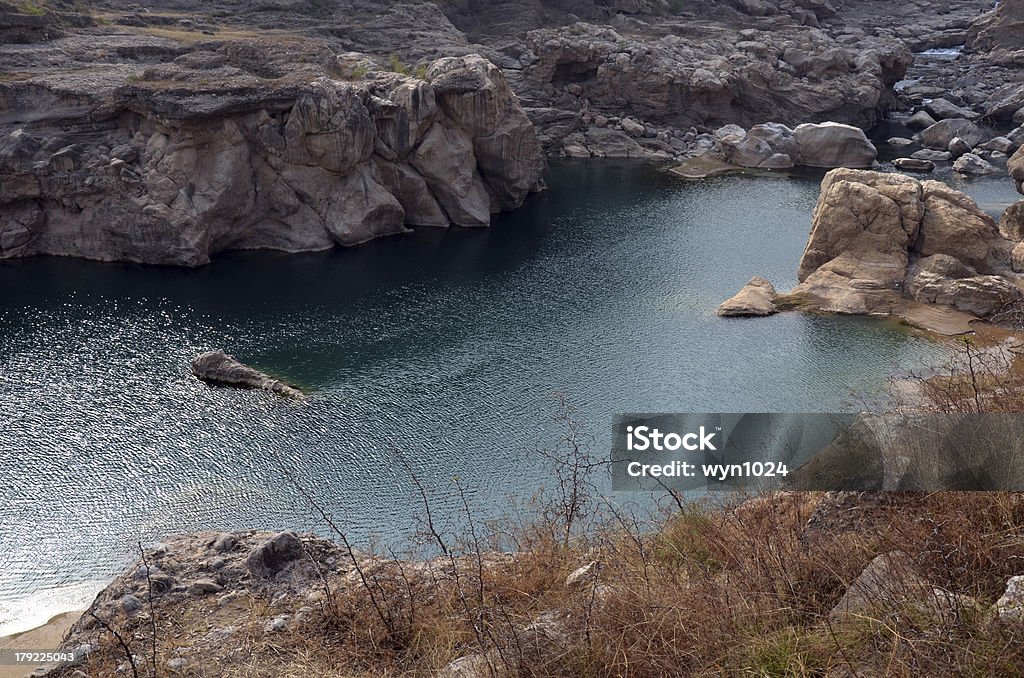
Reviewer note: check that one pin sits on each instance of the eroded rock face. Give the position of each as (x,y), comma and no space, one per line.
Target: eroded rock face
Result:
(877,239)
(173,175)
(682,81)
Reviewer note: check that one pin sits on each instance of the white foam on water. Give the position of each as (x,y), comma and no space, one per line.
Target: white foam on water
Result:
(24,614)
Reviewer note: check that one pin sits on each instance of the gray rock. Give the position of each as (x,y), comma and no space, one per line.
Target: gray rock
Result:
(218,368)
(940,134)
(779,137)
(202,587)
(958,147)
(900,141)
(920,120)
(888,581)
(941,109)
(914,165)
(632,127)
(973,164)
(278,624)
(730,130)
(745,151)
(831,144)
(777,161)
(932,155)
(1010,606)
(274,554)
(1001,144)
(224,542)
(130,605)
(298,163)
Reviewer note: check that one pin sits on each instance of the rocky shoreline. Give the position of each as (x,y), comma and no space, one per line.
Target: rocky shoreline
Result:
(263,603)
(882,243)
(166,136)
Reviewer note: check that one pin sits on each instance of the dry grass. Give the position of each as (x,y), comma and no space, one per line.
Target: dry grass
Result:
(744,590)
(750,588)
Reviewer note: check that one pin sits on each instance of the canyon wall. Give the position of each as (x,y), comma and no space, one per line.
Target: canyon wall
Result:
(198,156)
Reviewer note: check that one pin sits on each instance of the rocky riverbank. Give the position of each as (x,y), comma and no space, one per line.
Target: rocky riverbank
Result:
(169,134)
(283,604)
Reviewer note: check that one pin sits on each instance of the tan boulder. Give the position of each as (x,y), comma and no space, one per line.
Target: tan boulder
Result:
(869,228)
(954,224)
(1015,165)
(757,298)
(869,217)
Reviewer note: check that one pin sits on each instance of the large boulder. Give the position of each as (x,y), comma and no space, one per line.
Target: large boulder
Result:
(939,135)
(952,223)
(877,239)
(869,216)
(983,295)
(975,165)
(831,144)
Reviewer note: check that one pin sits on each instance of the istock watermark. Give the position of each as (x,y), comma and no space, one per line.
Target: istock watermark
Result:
(923,452)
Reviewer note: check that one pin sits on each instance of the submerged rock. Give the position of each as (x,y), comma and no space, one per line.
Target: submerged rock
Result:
(221,369)
(756,299)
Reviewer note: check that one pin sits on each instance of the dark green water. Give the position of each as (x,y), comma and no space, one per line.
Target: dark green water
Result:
(445,344)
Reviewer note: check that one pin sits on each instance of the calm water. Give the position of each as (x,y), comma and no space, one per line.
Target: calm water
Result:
(445,344)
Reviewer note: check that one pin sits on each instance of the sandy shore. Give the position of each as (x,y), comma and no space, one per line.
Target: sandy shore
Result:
(46,637)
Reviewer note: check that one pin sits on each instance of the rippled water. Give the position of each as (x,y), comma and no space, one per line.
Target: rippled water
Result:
(445,344)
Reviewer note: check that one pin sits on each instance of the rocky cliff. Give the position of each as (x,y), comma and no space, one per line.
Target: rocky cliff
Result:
(213,150)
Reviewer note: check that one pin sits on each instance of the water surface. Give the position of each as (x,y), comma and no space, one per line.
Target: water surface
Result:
(447,344)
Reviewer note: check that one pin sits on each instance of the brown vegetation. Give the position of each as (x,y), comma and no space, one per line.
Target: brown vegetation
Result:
(764,586)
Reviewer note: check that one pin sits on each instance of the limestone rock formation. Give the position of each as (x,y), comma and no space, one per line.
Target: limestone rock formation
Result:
(139,170)
(757,298)
(218,368)
(878,239)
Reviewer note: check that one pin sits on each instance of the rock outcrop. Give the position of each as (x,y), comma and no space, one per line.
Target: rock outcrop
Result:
(879,241)
(197,156)
(220,369)
(774,146)
(756,299)
(663,81)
